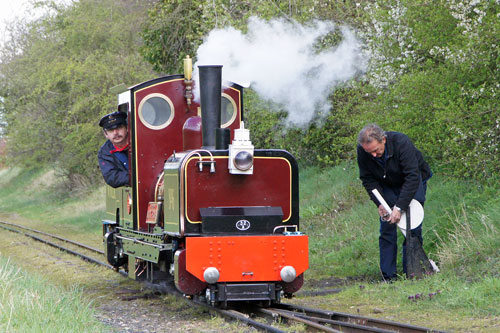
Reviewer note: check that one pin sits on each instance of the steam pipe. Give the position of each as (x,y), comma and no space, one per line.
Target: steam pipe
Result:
(210,98)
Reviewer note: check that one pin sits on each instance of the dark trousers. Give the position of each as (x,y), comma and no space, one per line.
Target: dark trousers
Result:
(388,239)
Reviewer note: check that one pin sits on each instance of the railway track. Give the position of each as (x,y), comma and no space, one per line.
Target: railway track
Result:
(57,241)
(257,317)
(331,321)
(315,320)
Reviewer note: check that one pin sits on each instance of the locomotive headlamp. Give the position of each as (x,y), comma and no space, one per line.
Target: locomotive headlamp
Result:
(243,160)
(241,152)
(288,274)
(211,275)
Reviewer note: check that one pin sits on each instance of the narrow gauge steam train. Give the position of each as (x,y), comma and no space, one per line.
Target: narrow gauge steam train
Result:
(204,207)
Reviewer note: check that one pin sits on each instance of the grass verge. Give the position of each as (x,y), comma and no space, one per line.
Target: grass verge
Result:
(461,228)
(28,303)
(38,198)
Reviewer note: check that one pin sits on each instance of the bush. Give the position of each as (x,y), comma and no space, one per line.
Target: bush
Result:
(436,67)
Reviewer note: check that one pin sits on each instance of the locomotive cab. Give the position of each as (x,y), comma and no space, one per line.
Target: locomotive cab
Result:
(204,208)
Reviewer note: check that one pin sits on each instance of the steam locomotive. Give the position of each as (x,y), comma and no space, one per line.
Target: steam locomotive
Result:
(205,208)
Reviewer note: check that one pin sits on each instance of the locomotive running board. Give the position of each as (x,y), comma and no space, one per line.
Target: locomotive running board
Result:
(148,248)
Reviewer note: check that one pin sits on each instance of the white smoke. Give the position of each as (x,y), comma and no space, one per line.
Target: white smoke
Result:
(278,59)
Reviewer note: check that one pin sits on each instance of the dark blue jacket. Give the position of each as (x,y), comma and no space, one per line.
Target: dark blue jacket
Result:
(405,169)
(114,171)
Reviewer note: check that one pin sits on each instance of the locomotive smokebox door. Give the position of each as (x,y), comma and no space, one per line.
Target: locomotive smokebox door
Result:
(247,220)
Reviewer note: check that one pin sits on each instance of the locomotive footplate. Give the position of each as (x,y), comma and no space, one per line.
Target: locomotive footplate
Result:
(142,245)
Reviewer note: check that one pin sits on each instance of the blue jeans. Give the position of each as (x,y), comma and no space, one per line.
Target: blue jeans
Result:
(388,239)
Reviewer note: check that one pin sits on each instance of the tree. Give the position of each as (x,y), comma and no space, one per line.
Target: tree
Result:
(57,72)
(176,28)
(436,69)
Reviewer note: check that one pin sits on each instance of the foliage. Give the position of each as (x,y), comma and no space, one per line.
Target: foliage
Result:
(171,33)
(436,68)
(57,73)
(413,45)
(176,28)
(434,73)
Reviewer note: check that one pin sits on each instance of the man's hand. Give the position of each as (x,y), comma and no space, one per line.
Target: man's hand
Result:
(383,213)
(395,216)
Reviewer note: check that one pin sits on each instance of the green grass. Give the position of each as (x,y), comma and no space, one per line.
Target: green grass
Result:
(30,304)
(461,228)
(41,199)
(441,301)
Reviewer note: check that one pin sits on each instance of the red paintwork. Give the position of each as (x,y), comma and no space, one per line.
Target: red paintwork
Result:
(293,286)
(247,258)
(192,134)
(185,281)
(153,147)
(270,185)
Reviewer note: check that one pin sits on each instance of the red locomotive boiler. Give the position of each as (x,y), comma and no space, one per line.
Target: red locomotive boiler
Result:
(204,208)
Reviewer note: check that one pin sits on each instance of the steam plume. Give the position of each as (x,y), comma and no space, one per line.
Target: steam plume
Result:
(278,59)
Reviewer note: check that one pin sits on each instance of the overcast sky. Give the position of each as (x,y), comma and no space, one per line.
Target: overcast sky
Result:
(9,10)
(12,9)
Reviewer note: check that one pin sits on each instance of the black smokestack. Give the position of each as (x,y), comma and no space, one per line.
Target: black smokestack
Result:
(222,138)
(210,99)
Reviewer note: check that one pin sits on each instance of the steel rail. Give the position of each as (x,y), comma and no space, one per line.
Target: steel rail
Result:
(236,315)
(334,325)
(336,317)
(87,258)
(59,247)
(54,236)
(274,313)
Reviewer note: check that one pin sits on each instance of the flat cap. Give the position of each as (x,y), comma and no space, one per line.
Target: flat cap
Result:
(113,120)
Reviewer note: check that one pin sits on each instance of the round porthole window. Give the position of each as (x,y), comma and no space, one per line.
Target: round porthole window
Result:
(156,111)
(228,110)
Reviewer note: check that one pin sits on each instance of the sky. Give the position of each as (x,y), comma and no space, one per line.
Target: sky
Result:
(13,9)
(10,9)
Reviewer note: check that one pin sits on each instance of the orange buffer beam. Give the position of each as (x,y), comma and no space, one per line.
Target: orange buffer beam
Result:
(247,258)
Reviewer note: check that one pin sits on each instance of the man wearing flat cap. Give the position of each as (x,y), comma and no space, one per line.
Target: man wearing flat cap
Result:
(113,154)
